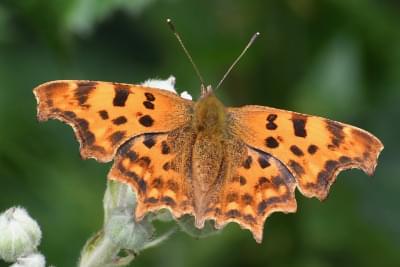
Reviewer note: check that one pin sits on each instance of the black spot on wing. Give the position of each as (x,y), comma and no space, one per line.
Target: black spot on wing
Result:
(165,149)
(89,138)
(233,213)
(262,206)
(149,96)
(69,114)
(86,135)
(271,142)
(121,95)
(336,130)
(168,201)
(119,120)
(330,165)
(132,155)
(277,181)
(83,90)
(151,200)
(142,185)
(146,121)
(125,148)
(299,125)
(312,149)
(247,163)
(132,175)
(271,125)
(144,161)
(344,159)
(116,137)
(262,181)
(296,150)
(103,114)
(296,168)
(149,141)
(242,180)
(247,199)
(83,124)
(323,178)
(148,105)
(263,162)
(121,167)
(166,166)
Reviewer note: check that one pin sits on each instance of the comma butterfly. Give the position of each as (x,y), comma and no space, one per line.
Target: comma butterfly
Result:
(201,158)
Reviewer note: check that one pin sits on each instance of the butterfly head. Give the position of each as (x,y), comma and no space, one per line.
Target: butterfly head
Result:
(205,90)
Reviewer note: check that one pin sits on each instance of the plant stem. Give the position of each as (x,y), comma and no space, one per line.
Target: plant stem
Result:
(102,253)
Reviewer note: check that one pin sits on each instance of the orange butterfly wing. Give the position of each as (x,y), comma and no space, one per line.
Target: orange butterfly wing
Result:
(148,164)
(260,186)
(314,149)
(104,115)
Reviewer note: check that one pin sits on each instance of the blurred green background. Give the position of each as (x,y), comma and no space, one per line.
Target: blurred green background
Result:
(338,59)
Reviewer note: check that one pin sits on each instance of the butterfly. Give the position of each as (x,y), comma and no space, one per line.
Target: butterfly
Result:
(201,158)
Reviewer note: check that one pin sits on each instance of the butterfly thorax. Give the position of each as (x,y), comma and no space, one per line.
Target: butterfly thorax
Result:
(208,155)
(209,115)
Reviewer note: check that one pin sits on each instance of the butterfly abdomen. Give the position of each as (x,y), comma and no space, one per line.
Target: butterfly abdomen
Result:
(208,170)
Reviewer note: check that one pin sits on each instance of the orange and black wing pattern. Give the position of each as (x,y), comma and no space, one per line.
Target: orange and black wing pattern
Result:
(258,187)
(314,149)
(104,115)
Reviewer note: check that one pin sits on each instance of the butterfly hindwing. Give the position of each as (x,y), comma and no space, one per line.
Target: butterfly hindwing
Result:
(314,149)
(258,187)
(104,114)
(148,164)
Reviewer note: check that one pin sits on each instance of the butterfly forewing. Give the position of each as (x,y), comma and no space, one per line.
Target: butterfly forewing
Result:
(314,149)
(104,115)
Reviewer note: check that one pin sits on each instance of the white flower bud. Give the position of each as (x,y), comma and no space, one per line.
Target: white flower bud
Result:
(125,232)
(186,95)
(33,260)
(168,84)
(19,234)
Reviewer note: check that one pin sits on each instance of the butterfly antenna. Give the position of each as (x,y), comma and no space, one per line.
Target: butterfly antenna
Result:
(172,27)
(253,38)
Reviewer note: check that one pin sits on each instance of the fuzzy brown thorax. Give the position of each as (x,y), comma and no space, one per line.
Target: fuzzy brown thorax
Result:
(209,115)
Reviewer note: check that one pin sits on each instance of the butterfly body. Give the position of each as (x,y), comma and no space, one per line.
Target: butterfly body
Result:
(204,159)
(208,151)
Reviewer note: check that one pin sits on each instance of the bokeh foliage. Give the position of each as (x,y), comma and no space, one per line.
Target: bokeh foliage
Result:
(334,58)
